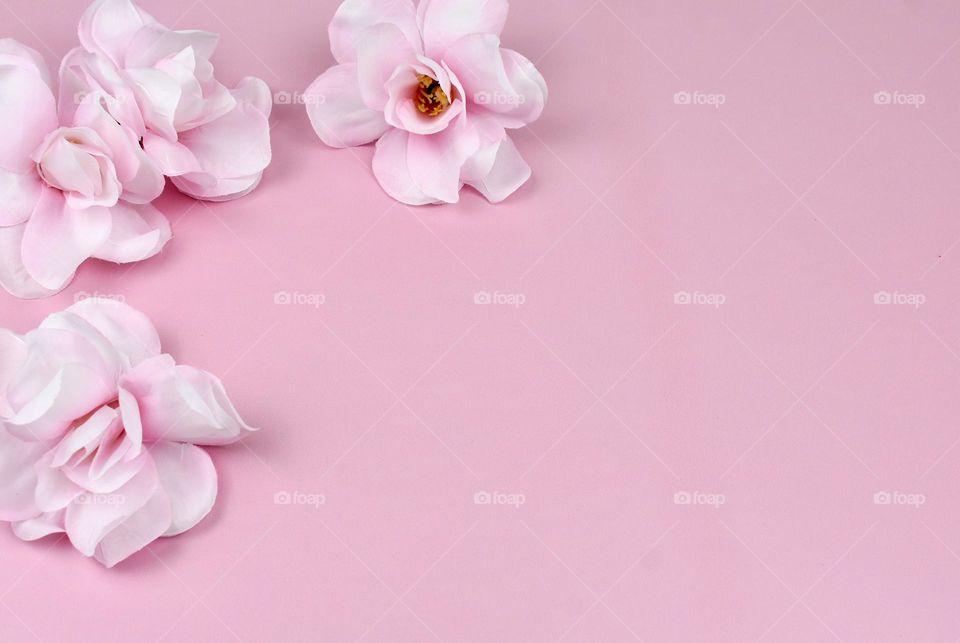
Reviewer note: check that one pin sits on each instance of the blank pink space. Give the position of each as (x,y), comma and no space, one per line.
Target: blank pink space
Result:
(792,397)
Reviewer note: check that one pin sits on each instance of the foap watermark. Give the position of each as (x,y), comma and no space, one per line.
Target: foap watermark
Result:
(884,97)
(499,498)
(496,298)
(298,98)
(296,298)
(499,98)
(896,298)
(299,498)
(696,298)
(111,296)
(699,98)
(714,500)
(101,499)
(899,498)
(92,98)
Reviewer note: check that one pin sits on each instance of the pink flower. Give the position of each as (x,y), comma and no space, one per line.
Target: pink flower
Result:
(434,88)
(69,189)
(213,141)
(97,432)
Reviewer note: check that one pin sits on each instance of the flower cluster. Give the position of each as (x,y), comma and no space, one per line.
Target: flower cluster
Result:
(80,166)
(433,87)
(98,431)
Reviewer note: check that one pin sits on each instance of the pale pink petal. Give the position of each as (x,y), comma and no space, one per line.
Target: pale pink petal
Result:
(28,112)
(19,194)
(188,477)
(353,16)
(380,50)
(172,158)
(497,170)
(137,232)
(209,188)
(43,525)
(158,95)
(337,112)
(232,150)
(393,174)
(435,161)
(501,82)
(90,518)
(139,530)
(254,91)
(54,489)
(154,42)
(13,274)
(141,179)
(130,332)
(91,78)
(70,369)
(108,26)
(444,21)
(14,52)
(57,239)
(13,353)
(18,478)
(182,404)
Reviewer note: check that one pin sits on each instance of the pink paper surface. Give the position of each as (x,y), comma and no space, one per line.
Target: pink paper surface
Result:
(775,460)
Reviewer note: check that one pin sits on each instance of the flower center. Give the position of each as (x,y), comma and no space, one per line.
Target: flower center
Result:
(429,97)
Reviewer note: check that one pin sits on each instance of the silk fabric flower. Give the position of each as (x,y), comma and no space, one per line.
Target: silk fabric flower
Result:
(98,431)
(212,141)
(69,190)
(432,85)
(136,102)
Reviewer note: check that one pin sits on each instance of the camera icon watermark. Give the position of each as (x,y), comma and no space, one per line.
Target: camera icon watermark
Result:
(884,97)
(514,500)
(914,500)
(296,298)
(101,499)
(299,498)
(715,500)
(714,100)
(499,98)
(696,298)
(896,298)
(298,98)
(102,296)
(487,298)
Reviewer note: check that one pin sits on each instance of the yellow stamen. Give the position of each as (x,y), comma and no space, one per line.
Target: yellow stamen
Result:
(429,97)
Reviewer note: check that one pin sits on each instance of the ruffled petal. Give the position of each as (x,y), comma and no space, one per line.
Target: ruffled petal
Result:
(353,16)
(442,22)
(232,150)
(136,532)
(28,111)
(40,526)
(337,112)
(180,403)
(57,238)
(108,26)
(130,332)
(393,174)
(501,82)
(13,274)
(18,478)
(172,158)
(189,479)
(19,194)
(90,517)
(380,50)
(497,170)
(137,232)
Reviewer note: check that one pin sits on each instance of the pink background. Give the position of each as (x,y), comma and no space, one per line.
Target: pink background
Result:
(598,399)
